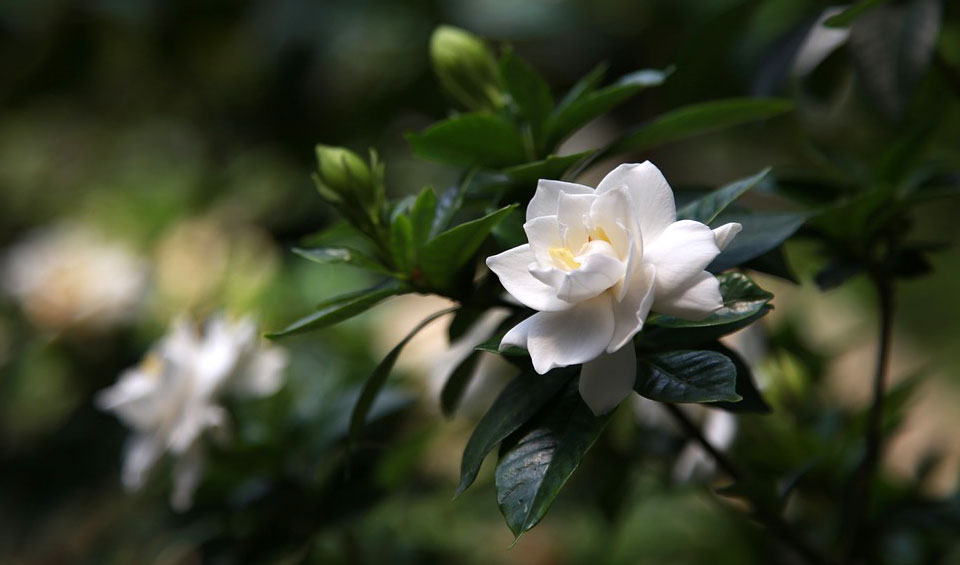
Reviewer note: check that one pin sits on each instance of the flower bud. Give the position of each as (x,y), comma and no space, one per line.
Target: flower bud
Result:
(466,68)
(345,174)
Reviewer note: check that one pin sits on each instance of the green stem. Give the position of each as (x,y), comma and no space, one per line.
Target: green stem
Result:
(771,520)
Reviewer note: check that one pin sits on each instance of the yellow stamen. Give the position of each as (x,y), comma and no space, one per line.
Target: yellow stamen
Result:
(564,256)
(152,364)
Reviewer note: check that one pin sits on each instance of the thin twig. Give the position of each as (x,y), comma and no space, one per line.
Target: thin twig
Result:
(864,475)
(771,520)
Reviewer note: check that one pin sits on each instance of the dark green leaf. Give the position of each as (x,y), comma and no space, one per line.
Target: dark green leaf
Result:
(509,232)
(587,84)
(527,88)
(492,345)
(571,117)
(375,382)
(742,299)
(656,338)
(341,254)
(444,255)
(538,460)
(707,208)
(698,119)
(466,140)
(343,307)
(760,234)
(836,272)
(401,243)
(687,376)
(422,215)
(462,321)
(457,383)
(515,405)
(774,263)
(746,387)
(553,167)
(846,17)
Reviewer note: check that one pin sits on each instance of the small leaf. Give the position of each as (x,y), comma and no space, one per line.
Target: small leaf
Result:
(742,299)
(746,387)
(378,378)
(422,215)
(553,167)
(538,460)
(343,308)
(516,404)
(401,243)
(341,254)
(457,383)
(574,115)
(774,263)
(486,140)
(527,88)
(708,207)
(761,233)
(698,119)
(587,84)
(836,272)
(444,255)
(687,376)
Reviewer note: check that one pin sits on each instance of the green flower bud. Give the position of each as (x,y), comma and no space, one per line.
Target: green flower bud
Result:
(345,174)
(466,68)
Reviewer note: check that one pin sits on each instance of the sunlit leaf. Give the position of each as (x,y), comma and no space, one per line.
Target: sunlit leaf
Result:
(444,255)
(343,308)
(687,376)
(466,140)
(341,254)
(706,208)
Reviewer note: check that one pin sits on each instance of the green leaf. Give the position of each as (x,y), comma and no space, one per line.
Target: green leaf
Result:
(457,383)
(462,321)
(687,376)
(577,113)
(846,17)
(746,387)
(343,308)
(742,298)
(444,255)
(587,84)
(697,119)
(761,233)
(553,167)
(375,382)
(707,208)
(656,338)
(516,404)
(527,88)
(341,254)
(485,140)
(401,243)
(509,232)
(422,215)
(538,460)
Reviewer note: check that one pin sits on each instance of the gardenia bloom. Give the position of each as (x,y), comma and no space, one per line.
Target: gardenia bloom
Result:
(172,398)
(597,262)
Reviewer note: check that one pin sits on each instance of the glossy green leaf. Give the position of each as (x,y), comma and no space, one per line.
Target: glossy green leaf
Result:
(587,84)
(444,255)
(698,119)
(514,407)
(687,376)
(577,113)
(457,383)
(401,243)
(485,140)
(422,215)
(657,338)
(742,298)
(761,233)
(752,400)
(538,460)
(527,88)
(374,383)
(553,167)
(343,308)
(706,208)
(341,254)
(509,232)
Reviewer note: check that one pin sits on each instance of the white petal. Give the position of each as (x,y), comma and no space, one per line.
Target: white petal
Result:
(186,477)
(544,201)
(598,271)
(612,212)
(573,211)
(631,312)
(140,456)
(543,233)
(517,336)
(577,335)
(725,234)
(262,374)
(681,253)
(608,379)
(652,198)
(512,267)
(695,302)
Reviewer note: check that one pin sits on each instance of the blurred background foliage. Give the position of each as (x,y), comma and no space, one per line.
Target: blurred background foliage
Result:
(175,140)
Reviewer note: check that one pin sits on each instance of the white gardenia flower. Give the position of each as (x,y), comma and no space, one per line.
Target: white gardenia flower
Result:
(597,262)
(172,398)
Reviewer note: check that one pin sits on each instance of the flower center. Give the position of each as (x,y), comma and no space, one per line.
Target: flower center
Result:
(599,234)
(564,256)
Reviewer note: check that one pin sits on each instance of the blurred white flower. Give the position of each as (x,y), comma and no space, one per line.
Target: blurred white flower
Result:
(597,262)
(171,400)
(70,277)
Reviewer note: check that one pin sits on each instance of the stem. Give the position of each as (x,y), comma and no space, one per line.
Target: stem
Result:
(771,520)
(863,477)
